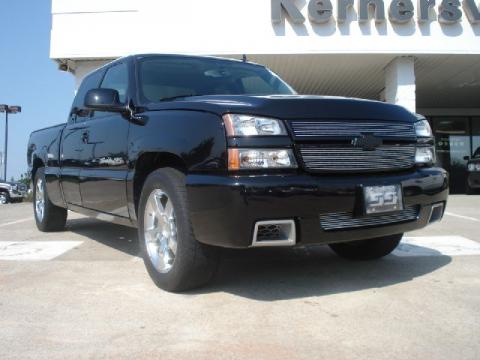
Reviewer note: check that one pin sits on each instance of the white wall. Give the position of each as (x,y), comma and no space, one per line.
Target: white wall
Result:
(400,82)
(112,28)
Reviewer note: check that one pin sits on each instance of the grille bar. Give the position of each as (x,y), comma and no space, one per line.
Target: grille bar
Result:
(349,158)
(346,220)
(330,128)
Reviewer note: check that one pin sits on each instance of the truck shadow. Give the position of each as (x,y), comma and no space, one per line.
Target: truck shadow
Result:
(283,273)
(121,238)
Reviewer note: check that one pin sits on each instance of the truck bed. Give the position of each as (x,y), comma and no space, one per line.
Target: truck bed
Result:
(45,143)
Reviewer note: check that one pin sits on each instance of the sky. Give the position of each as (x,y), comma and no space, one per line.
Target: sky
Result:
(29,78)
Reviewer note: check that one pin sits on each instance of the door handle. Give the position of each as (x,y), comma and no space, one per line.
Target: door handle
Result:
(85,137)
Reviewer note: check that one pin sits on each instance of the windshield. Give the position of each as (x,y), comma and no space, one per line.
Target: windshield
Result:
(163,78)
(476,154)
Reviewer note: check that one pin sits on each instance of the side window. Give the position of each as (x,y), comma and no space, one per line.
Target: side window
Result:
(78,112)
(117,78)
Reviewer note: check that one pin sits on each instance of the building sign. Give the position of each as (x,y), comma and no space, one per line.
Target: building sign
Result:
(399,11)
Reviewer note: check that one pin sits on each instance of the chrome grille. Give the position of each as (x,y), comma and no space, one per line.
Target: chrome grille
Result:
(352,128)
(349,158)
(346,220)
(22,187)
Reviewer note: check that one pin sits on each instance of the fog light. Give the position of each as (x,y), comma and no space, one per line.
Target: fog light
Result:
(250,159)
(436,213)
(425,155)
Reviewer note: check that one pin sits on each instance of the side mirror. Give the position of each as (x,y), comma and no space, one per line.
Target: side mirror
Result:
(466,158)
(104,100)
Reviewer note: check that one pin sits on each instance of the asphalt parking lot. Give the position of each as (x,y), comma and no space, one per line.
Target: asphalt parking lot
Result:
(84,293)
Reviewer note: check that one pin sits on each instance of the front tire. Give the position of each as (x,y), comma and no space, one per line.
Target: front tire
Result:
(470,190)
(4,198)
(369,249)
(48,217)
(174,259)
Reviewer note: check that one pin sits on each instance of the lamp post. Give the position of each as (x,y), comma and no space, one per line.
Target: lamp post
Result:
(7,110)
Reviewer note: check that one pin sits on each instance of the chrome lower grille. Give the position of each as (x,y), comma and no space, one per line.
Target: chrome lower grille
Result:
(352,128)
(346,220)
(349,158)
(268,232)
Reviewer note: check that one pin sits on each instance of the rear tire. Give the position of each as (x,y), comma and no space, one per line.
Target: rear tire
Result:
(174,259)
(48,217)
(369,249)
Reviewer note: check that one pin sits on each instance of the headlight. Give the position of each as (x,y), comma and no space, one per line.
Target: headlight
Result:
(473,167)
(251,159)
(423,129)
(248,125)
(425,155)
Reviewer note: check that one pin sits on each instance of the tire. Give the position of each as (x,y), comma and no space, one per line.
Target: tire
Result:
(369,249)
(4,198)
(471,191)
(174,259)
(53,218)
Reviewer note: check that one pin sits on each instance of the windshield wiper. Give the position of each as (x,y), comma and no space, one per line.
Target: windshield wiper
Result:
(177,97)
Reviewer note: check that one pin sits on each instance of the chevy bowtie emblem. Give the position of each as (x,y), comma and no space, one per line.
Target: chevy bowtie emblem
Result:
(368,142)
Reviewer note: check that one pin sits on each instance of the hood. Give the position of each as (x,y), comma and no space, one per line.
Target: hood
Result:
(291,107)
(8,183)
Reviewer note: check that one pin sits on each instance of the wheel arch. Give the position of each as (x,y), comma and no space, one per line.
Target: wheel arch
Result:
(149,162)
(37,163)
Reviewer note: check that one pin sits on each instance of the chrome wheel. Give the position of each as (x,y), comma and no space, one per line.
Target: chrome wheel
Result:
(39,200)
(160,231)
(3,198)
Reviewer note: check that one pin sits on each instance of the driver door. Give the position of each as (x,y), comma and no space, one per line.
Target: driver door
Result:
(72,146)
(105,160)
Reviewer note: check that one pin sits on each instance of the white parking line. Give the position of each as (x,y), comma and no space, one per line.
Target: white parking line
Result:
(16,222)
(35,250)
(437,246)
(461,216)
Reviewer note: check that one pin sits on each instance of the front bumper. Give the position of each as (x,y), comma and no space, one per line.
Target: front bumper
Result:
(474,179)
(224,209)
(17,194)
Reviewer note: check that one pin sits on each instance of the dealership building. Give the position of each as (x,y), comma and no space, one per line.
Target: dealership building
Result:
(421,54)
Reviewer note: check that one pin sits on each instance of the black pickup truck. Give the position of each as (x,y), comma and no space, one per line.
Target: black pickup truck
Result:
(200,153)
(473,167)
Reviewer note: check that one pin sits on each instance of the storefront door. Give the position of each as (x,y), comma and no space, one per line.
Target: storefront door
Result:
(475,135)
(453,143)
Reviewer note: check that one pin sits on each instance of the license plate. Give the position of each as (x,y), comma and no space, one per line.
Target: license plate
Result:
(380,199)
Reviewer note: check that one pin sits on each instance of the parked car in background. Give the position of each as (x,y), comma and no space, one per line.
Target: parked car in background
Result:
(201,153)
(473,167)
(12,192)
